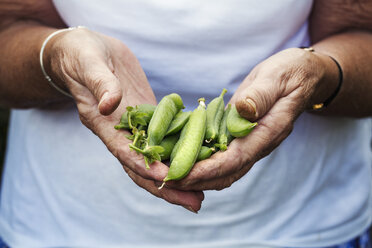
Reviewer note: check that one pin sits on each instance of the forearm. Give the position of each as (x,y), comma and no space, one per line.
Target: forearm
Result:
(22,83)
(24,24)
(333,25)
(353,51)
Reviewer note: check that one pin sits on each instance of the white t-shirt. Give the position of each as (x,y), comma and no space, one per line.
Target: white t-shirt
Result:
(62,187)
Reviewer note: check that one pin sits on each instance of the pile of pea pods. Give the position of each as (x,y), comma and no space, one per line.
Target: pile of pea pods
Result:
(166,133)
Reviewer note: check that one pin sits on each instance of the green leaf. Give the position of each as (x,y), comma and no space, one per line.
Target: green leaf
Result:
(141,114)
(140,121)
(155,157)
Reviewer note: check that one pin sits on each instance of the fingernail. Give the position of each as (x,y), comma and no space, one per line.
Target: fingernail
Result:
(190,209)
(251,106)
(103,98)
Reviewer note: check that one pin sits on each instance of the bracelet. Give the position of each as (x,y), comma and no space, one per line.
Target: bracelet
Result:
(320,106)
(47,77)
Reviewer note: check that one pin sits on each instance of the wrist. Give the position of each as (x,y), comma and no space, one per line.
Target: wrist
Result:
(51,55)
(48,55)
(328,85)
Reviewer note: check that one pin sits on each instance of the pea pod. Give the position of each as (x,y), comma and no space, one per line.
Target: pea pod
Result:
(168,144)
(134,117)
(179,142)
(178,122)
(214,115)
(224,136)
(205,152)
(189,149)
(237,125)
(167,108)
(148,109)
(163,115)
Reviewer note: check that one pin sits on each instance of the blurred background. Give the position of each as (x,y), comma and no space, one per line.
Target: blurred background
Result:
(4,118)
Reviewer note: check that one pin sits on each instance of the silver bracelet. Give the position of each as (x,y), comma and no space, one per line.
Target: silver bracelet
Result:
(47,77)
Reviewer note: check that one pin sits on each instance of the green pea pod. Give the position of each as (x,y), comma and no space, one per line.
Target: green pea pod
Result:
(179,142)
(178,122)
(148,109)
(214,115)
(189,149)
(224,136)
(168,144)
(140,115)
(205,152)
(164,113)
(237,125)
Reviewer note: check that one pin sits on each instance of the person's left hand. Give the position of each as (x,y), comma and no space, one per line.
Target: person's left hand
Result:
(275,93)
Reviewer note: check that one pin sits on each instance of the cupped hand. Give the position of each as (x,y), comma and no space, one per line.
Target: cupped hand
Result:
(274,94)
(104,77)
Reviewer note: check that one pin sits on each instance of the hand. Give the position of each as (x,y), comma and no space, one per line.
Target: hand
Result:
(275,93)
(104,77)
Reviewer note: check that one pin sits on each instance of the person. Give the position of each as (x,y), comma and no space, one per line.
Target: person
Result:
(301,178)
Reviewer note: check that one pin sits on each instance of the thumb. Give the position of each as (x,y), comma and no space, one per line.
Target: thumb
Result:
(257,99)
(105,87)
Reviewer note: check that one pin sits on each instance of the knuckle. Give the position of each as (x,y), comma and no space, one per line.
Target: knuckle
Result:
(285,74)
(184,187)
(226,184)
(98,84)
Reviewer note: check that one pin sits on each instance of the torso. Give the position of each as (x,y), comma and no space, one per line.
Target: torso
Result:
(81,195)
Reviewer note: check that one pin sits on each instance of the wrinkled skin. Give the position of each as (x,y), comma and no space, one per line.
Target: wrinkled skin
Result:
(280,89)
(275,93)
(89,65)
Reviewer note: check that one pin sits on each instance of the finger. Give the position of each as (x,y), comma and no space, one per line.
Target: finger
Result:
(219,183)
(257,97)
(105,87)
(223,168)
(219,165)
(214,173)
(189,199)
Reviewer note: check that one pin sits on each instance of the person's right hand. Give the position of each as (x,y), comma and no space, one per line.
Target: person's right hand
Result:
(104,77)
